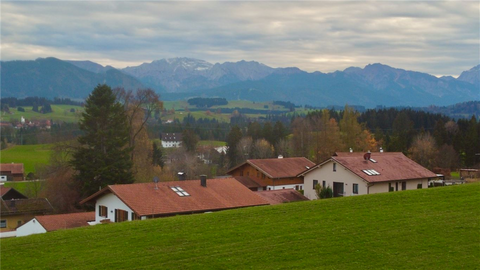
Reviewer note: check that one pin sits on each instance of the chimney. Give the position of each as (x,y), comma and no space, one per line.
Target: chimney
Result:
(351,150)
(203,180)
(280,156)
(381,149)
(181,176)
(367,155)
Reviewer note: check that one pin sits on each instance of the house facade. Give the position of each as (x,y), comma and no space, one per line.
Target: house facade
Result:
(118,203)
(350,174)
(171,140)
(272,173)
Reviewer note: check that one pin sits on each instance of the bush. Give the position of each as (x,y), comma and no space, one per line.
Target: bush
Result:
(20,109)
(323,192)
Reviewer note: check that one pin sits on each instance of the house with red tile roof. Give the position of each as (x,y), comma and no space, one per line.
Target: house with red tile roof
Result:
(272,173)
(117,203)
(49,223)
(15,212)
(366,173)
(12,171)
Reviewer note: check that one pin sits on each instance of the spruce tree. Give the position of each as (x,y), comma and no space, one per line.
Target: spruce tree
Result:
(103,157)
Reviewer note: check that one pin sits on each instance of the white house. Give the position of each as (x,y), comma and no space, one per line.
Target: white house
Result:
(350,174)
(48,223)
(171,140)
(117,203)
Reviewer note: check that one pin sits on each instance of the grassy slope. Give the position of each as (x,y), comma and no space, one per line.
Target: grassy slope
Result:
(29,155)
(435,228)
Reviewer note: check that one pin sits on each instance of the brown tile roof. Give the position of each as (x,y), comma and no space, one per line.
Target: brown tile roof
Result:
(26,206)
(390,165)
(171,137)
(249,182)
(13,168)
(281,196)
(4,190)
(219,194)
(65,221)
(280,167)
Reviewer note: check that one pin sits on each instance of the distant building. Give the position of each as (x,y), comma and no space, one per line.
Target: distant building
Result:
(350,174)
(271,173)
(171,140)
(12,171)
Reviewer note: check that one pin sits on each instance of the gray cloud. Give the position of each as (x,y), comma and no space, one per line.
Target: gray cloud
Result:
(440,38)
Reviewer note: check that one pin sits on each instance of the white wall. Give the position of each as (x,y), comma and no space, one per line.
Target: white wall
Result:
(411,184)
(283,187)
(111,201)
(31,227)
(171,144)
(326,173)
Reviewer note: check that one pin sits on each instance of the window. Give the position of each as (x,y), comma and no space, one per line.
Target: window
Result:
(324,183)
(134,216)
(180,192)
(334,167)
(355,188)
(296,187)
(315,183)
(121,215)
(102,211)
(263,176)
(3,223)
(390,188)
(419,186)
(404,185)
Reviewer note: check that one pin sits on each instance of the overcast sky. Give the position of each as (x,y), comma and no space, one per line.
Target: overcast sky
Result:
(440,38)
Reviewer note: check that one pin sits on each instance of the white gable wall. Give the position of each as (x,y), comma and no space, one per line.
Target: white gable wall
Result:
(111,201)
(31,227)
(326,173)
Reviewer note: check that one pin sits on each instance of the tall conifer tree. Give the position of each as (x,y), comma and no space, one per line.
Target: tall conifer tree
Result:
(103,157)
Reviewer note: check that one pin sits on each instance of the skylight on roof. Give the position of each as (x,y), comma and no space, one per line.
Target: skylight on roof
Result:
(373,160)
(371,172)
(180,192)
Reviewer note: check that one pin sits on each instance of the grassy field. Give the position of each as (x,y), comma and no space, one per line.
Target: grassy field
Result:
(60,113)
(434,228)
(29,155)
(212,143)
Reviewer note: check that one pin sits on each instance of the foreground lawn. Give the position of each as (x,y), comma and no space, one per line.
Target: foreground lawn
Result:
(420,229)
(29,155)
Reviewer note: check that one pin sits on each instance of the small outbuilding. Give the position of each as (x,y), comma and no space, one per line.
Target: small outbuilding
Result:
(49,223)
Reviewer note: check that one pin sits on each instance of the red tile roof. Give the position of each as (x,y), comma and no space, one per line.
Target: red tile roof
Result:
(280,167)
(4,190)
(281,196)
(65,221)
(8,193)
(390,165)
(219,194)
(13,168)
(249,182)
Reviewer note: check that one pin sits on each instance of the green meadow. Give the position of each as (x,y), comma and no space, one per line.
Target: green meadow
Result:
(60,113)
(435,228)
(29,155)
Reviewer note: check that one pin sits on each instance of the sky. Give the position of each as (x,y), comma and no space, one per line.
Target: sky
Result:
(435,37)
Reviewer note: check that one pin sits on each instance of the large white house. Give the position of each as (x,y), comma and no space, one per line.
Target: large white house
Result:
(351,174)
(171,140)
(117,203)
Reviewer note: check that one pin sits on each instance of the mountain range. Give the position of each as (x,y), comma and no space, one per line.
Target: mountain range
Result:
(180,78)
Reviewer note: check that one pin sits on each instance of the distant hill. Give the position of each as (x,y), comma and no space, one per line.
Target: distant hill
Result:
(51,77)
(471,76)
(182,78)
(188,74)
